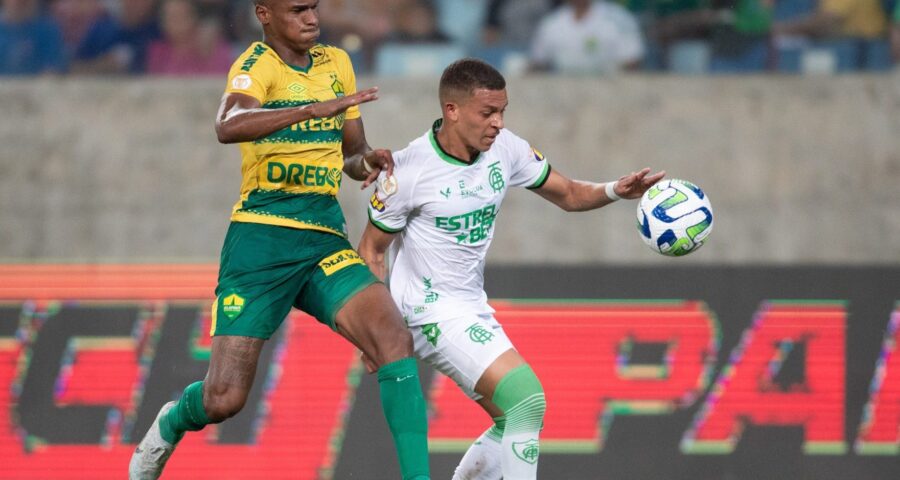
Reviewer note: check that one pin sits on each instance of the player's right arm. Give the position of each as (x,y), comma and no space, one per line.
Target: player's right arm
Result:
(372,248)
(241,117)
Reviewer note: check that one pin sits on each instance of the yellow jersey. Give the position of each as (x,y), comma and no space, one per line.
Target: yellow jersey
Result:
(291,177)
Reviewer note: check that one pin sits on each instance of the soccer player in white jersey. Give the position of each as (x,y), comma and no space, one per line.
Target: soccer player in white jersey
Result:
(450,185)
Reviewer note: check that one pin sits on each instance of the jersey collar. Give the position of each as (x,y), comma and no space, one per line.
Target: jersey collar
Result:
(439,150)
(303,69)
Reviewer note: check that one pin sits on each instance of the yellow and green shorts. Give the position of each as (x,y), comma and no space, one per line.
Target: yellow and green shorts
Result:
(265,270)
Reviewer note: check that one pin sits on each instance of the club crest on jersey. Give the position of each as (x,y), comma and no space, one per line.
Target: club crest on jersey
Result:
(337,86)
(495,177)
(537,154)
(376,203)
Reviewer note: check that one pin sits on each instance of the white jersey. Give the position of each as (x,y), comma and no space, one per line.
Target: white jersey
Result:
(444,212)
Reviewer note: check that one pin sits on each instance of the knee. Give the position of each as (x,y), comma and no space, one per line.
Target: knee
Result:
(520,393)
(222,402)
(392,343)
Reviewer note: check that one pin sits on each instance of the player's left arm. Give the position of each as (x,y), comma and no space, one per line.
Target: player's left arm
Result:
(372,248)
(361,162)
(578,195)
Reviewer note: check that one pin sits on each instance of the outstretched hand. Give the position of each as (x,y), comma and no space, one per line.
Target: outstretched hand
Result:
(335,106)
(635,184)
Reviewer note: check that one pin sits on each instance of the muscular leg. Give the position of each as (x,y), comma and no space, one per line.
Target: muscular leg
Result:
(371,321)
(513,397)
(222,394)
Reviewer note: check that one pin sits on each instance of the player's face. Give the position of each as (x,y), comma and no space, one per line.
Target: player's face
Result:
(295,22)
(480,118)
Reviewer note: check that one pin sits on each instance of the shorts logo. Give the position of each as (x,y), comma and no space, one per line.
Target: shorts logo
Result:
(232,305)
(430,295)
(376,203)
(479,334)
(241,82)
(340,260)
(431,332)
(527,451)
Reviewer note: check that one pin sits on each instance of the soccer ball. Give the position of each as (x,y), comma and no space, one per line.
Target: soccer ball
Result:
(674,217)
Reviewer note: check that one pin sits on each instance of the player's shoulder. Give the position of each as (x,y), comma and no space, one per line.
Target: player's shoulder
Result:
(414,155)
(258,53)
(510,144)
(323,54)
(258,56)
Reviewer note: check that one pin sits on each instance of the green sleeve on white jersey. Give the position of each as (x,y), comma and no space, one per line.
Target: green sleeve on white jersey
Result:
(529,168)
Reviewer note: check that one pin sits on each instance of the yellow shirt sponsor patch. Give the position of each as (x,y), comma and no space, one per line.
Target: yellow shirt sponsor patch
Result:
(340,260)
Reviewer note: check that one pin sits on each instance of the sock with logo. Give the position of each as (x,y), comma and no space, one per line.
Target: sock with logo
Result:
(404,409)
(482,459)
(521,397)
(188,415)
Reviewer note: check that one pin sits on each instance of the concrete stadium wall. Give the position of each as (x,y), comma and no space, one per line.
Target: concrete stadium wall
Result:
(799,170)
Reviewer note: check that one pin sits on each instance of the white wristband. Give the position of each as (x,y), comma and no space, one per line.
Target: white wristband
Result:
(368,168)
(611,191)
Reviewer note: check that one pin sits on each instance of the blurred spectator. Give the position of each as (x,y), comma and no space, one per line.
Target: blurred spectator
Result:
(76,19)
(837,35)
(31,42)
(679,20)
(678,33)
(462,20)
(119,45)
(740,43)
(416,22)
(513,22)
(585,36)
(357,26)
(236,19)
(838,18)
(190,45)
(243,28)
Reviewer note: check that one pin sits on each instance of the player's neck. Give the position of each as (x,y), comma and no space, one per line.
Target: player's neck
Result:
(297,57)
(454,145)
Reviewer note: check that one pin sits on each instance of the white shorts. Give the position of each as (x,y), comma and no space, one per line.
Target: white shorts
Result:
(461,348)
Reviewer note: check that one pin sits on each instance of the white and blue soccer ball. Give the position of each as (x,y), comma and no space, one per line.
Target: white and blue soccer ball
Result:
(674,217)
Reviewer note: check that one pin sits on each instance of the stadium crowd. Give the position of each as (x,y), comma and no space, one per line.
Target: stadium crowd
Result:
(411,37)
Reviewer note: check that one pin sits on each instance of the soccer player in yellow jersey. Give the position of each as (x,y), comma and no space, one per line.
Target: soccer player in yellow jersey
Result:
(291,103)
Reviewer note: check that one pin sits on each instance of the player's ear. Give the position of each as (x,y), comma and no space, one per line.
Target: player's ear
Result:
(262,13)
(451,111)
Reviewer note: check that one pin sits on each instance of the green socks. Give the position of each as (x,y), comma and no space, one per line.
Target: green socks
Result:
(404,409)
(401,399)
(187,415)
